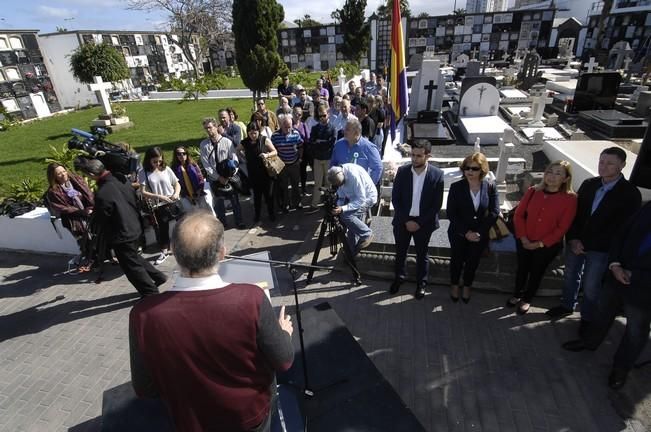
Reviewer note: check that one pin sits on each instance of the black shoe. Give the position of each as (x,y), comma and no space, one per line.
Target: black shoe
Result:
(513,302)
(558,312)
(420,292)
(454,298)
(395,286)
(466,300)
(617,378)
(577,345)
(241,226)
(160,281)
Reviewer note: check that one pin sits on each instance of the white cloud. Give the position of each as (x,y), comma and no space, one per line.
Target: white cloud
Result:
(55,12)
(296,8)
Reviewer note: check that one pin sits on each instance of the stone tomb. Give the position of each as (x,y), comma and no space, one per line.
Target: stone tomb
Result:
(427,93)
(612,124)
(596,91)
(478,111)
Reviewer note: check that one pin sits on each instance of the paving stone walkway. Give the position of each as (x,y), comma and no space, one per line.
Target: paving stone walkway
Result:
(475,367)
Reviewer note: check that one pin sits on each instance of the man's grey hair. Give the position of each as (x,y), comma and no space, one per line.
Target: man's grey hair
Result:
(207,120)
(285,117)
(92,167)
(354,125)
(197,240)
(335,175)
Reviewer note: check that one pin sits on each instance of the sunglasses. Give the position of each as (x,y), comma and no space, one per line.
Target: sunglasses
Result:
(181,153)
(469,168)
(323,116)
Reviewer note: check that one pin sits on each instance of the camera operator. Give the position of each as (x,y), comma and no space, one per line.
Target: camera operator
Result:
(356,194)
(117,217)
(215,149)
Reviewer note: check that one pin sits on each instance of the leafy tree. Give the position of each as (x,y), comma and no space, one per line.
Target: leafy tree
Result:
(306,21)
(90,60)
(422,15)
(255,24)
(335,16)
(459,12)
(356,30)
(197,24)
(384,10)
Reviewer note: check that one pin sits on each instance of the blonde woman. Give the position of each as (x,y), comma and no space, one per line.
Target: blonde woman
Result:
(542,218)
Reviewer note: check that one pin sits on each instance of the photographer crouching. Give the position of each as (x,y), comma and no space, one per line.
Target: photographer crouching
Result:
(117,218)
(356,195)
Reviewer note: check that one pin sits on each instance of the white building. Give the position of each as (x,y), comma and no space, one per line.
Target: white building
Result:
(480,6)
(151,57)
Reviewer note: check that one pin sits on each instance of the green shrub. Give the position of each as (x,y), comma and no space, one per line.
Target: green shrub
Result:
(26,190)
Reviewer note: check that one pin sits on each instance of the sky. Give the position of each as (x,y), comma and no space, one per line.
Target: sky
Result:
(47,15)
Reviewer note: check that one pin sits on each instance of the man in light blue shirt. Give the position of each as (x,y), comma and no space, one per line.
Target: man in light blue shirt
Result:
(356,194)
(355,149)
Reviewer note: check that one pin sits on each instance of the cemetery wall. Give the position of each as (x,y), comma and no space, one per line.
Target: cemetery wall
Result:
(26,88)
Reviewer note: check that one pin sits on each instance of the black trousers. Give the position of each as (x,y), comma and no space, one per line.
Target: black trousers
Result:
(464,256)
(162,231)
(260,192)
(531,269)
(289,176)
(140,272)
(612,299)
(421,241)
(307,160)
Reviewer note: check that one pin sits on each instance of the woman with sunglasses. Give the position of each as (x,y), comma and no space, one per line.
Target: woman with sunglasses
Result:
(191,180)
(543,216)
(473,207)
(159,186)
(256,148)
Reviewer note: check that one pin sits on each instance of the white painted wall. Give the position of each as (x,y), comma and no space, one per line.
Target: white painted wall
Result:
(56,49)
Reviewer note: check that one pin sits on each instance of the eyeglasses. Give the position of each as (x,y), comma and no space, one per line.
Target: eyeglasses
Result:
(469,168)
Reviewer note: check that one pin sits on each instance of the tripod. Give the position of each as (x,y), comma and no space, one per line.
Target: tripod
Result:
(336,233)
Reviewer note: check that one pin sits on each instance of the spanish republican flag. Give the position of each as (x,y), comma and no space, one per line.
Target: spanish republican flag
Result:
(399,93)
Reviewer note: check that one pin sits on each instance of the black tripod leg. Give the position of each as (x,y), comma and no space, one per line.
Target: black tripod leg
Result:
(348,255)
(319,244)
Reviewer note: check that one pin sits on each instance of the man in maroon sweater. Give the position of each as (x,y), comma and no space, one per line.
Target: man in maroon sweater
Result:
(207,348)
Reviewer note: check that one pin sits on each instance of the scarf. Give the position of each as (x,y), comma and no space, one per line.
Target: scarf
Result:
(73,194)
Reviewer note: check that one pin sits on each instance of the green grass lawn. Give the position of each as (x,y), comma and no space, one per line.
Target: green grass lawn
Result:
(236,82)
(164,124)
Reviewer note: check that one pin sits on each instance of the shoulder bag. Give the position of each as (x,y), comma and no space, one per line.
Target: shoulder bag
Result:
(273,164)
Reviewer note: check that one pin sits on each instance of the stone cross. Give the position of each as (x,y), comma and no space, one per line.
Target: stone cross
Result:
(627,62)
(484,62)
(591,64)
(539,98)
(477,148)
(506,148)
(100,87)
(430,88)
(505,56)
(474,54)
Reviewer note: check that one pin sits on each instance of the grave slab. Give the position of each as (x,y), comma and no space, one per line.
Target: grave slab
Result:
(489,129)
(613,124)
(549,133)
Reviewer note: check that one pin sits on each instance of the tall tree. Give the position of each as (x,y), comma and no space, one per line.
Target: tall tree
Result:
(306,21)
(384,10)
(356,30)
(90,60)
(255,26)
(197,24)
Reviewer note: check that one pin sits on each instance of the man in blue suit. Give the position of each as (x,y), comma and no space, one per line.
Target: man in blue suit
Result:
(417,197)
(626,286)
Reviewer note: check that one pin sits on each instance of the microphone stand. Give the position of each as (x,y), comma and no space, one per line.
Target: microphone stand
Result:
(308,392)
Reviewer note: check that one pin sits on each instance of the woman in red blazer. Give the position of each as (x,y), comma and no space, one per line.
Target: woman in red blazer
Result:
(542,218)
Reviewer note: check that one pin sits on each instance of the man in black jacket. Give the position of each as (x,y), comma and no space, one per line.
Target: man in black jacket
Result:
(626,286)
(117,216)
(604,204)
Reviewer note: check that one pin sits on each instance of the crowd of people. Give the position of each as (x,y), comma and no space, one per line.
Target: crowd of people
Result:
(342,139)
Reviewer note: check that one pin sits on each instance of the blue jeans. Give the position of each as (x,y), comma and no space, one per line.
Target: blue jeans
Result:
(220,208)
(357,230)
(586,270)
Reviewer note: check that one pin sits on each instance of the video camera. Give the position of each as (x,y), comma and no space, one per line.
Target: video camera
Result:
(329,198)
(115,158)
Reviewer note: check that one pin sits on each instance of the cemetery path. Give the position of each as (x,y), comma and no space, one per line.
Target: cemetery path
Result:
(458,367)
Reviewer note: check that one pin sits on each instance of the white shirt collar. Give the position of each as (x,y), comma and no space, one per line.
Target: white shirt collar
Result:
(198,284)
(421,173)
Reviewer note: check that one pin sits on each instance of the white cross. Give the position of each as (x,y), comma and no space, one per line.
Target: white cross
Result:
(506,148)
(474,53)
(591,64)
(100,87)
(505,56)
(627,61)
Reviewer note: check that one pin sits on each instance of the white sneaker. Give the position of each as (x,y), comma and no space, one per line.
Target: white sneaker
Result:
(161,258)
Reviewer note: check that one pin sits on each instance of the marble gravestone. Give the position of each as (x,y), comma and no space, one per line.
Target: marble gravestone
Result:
(427,92)
(479,103)
(462,61)
(612,124)
(618,53)
(528,76)
(428,87)
(473,68)
(596,91)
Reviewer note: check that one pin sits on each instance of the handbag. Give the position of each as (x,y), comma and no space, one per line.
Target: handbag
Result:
(499,230)
(168,211)
(273,164)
